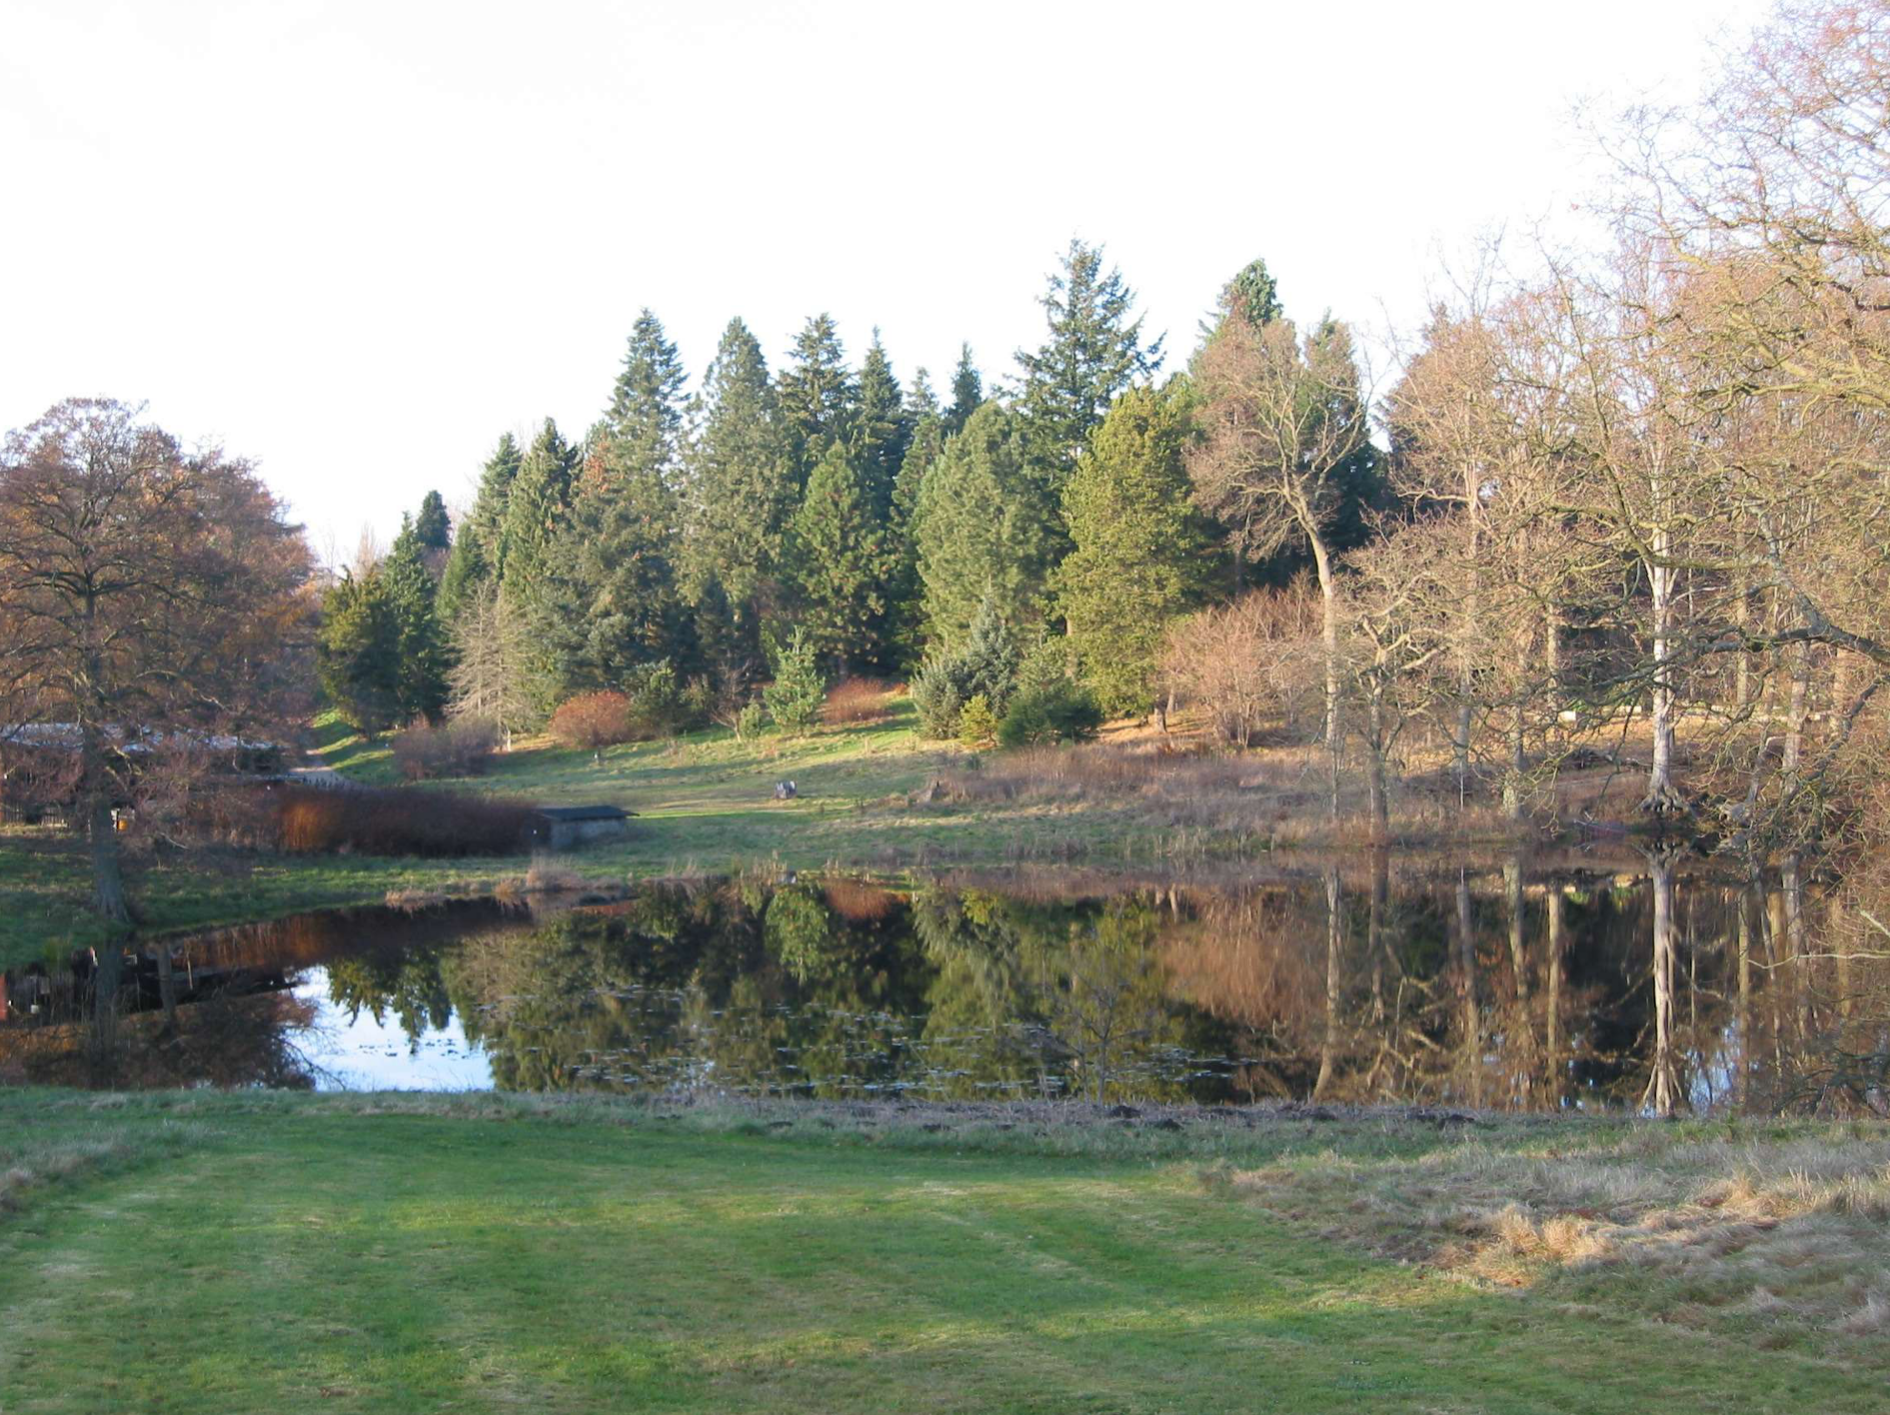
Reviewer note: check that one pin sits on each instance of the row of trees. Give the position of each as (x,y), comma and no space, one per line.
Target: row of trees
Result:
(876,520)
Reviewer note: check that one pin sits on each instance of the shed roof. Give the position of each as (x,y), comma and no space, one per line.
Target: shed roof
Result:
(584,813)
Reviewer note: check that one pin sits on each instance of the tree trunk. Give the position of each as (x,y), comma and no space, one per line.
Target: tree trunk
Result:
(1329,1043)
(1553,1020)
(1663,1088)
(1662,797)
(1329,635)
(1376,782)
(108,880)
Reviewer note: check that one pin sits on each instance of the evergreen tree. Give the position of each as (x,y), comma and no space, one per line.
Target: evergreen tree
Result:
(432,528)
(967,392)
(881,428)
(838,557)
(609,602)
(535,510)
(475,555)
(1094,351)
(1140,547)
(739,491)
(420,646)
(641,432)
(357,653)
(984,527)
(795,695)
(817,396)
(905,601)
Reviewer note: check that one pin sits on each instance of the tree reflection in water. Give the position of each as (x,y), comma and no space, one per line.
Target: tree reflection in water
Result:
(1511,984)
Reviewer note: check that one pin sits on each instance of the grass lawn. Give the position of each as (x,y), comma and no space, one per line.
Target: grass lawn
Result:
(263,1252)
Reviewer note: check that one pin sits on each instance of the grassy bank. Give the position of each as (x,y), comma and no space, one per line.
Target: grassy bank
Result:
(244,1252)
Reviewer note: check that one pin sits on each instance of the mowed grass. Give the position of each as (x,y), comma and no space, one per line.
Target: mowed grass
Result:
(242,1253)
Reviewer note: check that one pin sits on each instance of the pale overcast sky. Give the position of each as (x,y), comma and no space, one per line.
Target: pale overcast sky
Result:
(357,241)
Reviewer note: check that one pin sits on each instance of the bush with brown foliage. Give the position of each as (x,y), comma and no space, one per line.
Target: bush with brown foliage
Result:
(854,701)
(1250,663)
(461,748)
(593,720)
(299,819)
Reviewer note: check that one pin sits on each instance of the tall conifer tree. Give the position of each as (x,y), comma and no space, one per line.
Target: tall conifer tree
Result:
(881,428)
(536,509)
(967,391)
(1094,351)
(984,527)
(1140,555)
(420,646)
(837,554)
(738,487)
(817,395)
(475,555)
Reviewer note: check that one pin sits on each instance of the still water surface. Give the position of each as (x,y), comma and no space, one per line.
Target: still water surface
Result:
(1642,984)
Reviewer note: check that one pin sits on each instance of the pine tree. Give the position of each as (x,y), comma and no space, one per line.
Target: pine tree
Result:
(984,527)
(357,653)
(838,558)
(535,510)
(817,396)
(738,489)
(420,646)
(475,554)
(432,528)
(795,695)
(1094,351)
(1140,551)
(967,392)
(881,428)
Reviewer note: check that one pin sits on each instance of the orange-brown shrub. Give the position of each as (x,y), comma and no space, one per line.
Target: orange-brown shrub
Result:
(298,819)
(593,720)
(461,748)
(855,700)
(1250,663)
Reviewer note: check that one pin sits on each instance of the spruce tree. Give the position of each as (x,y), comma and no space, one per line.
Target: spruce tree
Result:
(738,488)
(641,431)
(420,646)
(881,428)
(1093,352)
(967,392)
(357,653)
(905,600)
(432,528)
(838,558)
(1140,546)
(818,397)
(535,510)
(609,602)
(985,526)
(475,555)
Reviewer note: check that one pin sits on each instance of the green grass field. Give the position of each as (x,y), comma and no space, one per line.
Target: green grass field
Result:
(247,1252)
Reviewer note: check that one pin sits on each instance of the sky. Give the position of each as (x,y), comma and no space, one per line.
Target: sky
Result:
(356,242)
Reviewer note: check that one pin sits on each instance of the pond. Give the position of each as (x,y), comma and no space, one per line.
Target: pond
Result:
(1643,983)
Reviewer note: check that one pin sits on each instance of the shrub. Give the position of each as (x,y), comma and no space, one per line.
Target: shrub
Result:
(658,704)
(938,692)
(855,700)
(977,724)
(795,696)
(300,819)
(750,722)
(592,720)
(1062,712)
(1250,661)
(461,748)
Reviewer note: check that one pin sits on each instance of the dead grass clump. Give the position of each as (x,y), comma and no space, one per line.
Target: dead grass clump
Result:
(546,878)
(854,701)
(1795,1229)
(462,747)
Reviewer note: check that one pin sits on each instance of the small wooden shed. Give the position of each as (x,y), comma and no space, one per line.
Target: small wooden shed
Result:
(562,827)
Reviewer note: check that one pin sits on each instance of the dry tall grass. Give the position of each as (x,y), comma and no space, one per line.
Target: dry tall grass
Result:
(853,701)
(1718,1228)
